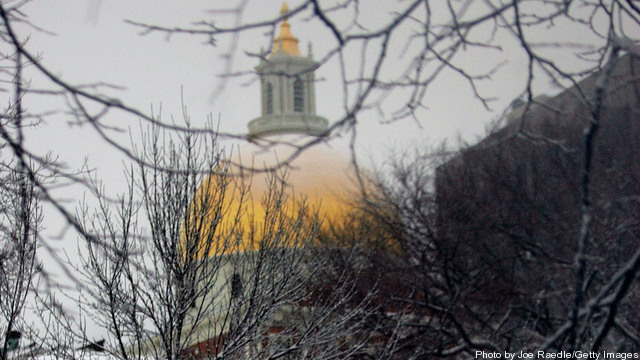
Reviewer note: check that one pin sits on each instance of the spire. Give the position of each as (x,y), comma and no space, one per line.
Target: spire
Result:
(287,89)
(285,41)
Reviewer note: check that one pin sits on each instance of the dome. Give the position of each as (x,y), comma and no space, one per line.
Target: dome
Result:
(228,212)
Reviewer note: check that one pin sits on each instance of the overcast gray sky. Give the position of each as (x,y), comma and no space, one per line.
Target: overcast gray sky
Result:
(92,43)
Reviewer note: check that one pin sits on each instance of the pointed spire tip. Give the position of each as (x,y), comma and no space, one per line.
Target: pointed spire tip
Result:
(285,42)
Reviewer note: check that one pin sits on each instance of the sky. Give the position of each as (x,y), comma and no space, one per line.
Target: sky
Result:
(92,43)
(89,42)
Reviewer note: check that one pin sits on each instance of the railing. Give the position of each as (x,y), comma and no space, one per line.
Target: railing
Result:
(287,123)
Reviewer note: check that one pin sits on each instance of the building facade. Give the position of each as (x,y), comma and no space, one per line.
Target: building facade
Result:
(511,208)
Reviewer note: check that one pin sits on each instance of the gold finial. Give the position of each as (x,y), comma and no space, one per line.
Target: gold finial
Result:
(285,42)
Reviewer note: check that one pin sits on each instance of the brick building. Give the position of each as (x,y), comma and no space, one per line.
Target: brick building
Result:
(510,207)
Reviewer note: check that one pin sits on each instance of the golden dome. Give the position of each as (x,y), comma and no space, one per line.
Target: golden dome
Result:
(285,41)
(228,213)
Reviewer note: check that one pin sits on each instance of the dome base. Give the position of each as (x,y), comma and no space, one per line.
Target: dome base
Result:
(275,124)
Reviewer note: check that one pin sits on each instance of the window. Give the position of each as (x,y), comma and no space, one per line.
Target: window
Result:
(298,95)
(236,286)
(268,96)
